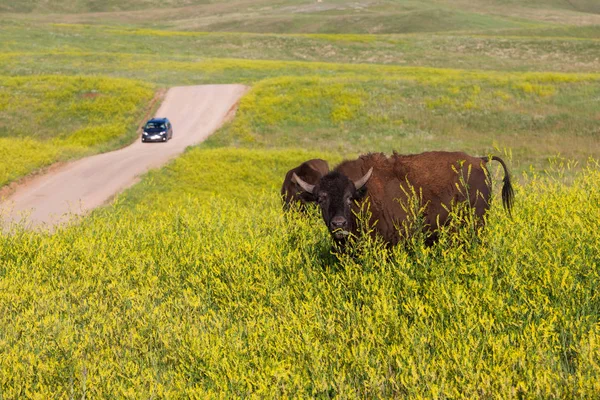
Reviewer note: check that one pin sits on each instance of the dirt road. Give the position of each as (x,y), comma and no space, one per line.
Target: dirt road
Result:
(195,112)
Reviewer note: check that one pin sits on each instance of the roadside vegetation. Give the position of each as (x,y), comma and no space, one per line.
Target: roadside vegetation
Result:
(408,109)
(194,283)
(46,119)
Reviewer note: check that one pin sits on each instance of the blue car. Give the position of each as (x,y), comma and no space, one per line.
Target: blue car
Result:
(157,130)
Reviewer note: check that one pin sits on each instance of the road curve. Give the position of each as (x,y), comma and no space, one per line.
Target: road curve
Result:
(78,187)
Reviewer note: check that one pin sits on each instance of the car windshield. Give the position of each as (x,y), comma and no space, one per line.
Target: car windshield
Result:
(155,125)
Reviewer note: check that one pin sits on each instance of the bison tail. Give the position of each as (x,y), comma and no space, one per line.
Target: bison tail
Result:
(508,195)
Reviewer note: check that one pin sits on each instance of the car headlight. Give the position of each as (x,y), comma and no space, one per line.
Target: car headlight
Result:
(163,132)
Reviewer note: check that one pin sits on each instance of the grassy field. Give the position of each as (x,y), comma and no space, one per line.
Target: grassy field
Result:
(539,116)
(423,110)
(483,110)
(563,48)
(195,284)
(46,119)
(328,16)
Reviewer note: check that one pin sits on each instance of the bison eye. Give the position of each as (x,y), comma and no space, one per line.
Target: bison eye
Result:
(349,201)
(322,197)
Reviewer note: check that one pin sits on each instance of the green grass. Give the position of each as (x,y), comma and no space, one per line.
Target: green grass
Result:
(32,48)
(533,115)
(574,32)
(77,6)
(374,107)
(196,285)
(419,19)
(45,119)
(331,16)
(566,49)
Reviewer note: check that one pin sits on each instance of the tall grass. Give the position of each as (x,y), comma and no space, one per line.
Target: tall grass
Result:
(204,288)
(195,284)
(419,110)
(45,119)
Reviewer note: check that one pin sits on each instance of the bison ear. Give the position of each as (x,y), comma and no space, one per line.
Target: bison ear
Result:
(307,187)
(363,181)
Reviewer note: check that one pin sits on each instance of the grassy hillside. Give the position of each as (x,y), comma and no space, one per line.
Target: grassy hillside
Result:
(413,110)
(408,111)
(74,6)
(327,16)
(61,48)
(345,108)
(196,285)
(45,119)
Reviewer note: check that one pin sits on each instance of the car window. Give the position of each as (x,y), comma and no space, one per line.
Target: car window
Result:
(155,125)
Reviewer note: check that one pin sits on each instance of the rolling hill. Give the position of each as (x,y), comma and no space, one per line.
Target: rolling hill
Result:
(195,284)
(311,16)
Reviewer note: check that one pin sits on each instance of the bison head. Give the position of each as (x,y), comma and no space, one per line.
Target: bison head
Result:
(336,194)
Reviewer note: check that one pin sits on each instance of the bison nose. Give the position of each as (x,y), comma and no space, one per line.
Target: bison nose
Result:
(338,223)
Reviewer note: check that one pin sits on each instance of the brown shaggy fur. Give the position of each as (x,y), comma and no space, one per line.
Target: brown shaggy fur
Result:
(436,175)
(310,171)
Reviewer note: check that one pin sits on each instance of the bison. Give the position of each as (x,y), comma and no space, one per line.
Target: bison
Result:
(310,172)
(384,183)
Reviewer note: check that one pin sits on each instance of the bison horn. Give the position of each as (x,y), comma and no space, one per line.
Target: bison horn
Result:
(304,185)
(362,181)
